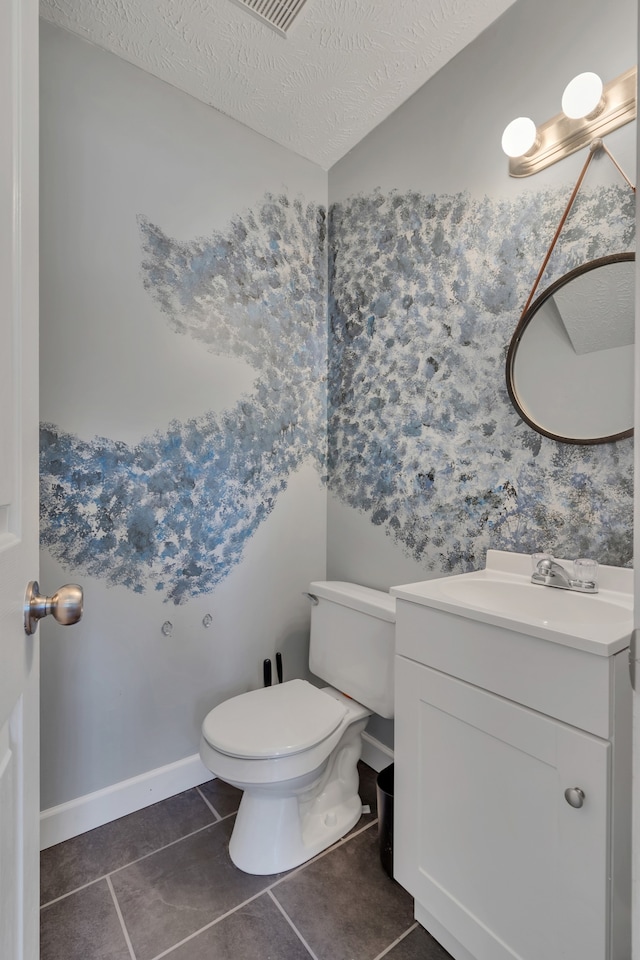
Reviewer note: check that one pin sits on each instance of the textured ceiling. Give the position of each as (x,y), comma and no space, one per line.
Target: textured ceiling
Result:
(344,66)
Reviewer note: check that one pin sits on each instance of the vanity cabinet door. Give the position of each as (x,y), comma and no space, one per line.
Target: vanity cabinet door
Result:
(484,838)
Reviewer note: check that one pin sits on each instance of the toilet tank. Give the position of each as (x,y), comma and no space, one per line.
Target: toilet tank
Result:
(352,642)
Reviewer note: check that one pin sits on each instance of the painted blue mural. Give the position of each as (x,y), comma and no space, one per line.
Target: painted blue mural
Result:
(174,512)
(425,292)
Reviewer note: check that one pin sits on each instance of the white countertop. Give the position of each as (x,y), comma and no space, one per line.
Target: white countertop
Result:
(502,594)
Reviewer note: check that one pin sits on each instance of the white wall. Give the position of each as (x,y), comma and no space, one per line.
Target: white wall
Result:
(446,137)
(466,276)
(118,697)
(442,144)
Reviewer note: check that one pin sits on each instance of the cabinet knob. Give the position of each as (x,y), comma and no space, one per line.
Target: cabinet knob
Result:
(574,796)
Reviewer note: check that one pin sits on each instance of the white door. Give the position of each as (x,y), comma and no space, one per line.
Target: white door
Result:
(19,793)
(635,894)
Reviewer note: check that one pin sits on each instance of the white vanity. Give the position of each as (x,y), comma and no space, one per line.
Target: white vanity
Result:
(513,763)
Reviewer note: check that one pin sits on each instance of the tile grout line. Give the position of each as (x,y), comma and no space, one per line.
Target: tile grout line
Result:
(292,925)
(207,926)
(109,873)
(266,890)
(387,950)
(260,893)
(356,833)
(64,896)
(121,919)
(210,805)
(323,853)
(166,846)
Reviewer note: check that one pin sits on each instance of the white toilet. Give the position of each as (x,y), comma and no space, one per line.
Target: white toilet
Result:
(293,748)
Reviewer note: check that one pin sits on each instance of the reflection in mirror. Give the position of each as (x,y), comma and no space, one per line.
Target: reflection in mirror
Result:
(570,362)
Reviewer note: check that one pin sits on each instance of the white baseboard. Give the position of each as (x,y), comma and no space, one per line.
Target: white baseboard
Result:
(94,809)
(375,753)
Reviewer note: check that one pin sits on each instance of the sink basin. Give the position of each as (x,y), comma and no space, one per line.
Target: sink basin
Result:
(534,602)
(503,594)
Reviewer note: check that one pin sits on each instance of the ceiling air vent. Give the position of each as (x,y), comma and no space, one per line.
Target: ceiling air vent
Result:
(277,14)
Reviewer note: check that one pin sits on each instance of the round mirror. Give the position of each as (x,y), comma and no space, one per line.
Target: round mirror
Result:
(570,362)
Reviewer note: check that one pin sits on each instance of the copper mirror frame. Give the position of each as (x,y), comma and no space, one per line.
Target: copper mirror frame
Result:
(532,307)
(523,324)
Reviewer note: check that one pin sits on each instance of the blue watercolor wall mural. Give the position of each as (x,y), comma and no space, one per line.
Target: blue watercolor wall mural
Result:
(424,295)
(174,512)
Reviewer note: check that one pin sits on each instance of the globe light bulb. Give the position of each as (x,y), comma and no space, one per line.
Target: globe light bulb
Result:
(519,137)
(582,96)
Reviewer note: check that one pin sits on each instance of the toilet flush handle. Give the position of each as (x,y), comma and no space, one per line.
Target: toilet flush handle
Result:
(312,597)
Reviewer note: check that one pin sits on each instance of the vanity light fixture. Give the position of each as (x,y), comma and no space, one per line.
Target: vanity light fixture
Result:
(520,137)
(582,97)
(590,110)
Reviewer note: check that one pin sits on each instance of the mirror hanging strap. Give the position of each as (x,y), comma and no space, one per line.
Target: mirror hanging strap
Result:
(593,149)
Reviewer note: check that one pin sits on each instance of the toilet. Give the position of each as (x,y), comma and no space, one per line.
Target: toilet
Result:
(293,748)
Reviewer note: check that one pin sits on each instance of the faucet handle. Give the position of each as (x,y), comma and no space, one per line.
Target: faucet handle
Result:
(585,570)
(536,558)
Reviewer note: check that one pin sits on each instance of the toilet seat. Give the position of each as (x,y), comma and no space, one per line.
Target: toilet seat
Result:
(278,721)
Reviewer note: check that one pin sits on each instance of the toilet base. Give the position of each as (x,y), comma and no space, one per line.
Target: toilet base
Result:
(273,833)
(268,844)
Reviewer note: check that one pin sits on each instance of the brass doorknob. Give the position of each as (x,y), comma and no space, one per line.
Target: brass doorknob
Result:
(65,606)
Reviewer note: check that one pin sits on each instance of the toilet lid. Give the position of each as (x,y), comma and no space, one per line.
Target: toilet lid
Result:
(276,721)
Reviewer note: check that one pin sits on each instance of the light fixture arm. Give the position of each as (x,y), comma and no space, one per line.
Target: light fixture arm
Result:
(593,149)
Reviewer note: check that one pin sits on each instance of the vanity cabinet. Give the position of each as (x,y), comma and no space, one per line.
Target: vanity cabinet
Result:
(512,789)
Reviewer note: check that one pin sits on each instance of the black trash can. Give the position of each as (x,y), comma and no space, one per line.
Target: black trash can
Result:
(384,796)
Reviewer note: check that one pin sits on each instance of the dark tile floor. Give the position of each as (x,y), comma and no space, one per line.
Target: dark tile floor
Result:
(159,883)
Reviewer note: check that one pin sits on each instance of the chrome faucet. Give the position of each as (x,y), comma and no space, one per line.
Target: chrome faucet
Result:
(550,573)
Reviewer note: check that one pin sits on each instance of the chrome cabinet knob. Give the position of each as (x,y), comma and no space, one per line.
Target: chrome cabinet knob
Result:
(65,606)
(574,796)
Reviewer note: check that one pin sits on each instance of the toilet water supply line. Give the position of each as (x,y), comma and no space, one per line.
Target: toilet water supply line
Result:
(266,667)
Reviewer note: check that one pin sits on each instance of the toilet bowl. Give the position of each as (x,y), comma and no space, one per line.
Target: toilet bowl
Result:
(299,796)
(293,748)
